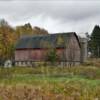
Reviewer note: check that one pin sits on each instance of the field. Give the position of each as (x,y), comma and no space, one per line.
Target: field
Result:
(51,83)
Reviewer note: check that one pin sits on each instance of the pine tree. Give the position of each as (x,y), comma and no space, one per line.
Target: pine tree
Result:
(95,41)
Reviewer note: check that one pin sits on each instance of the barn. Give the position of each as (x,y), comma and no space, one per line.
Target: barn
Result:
(30,49)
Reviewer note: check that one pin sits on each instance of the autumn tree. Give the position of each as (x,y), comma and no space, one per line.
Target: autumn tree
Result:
(24,30)
(28,30)
(39,31)
(7,39)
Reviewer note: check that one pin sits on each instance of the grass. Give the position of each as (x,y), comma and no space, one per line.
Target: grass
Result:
(90,72)
(50,83)
(51,87)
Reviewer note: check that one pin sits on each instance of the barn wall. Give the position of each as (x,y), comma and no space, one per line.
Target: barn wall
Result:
(21,55)
(29,54)
(60,51)
(34,54)
(37,54)
(73,50)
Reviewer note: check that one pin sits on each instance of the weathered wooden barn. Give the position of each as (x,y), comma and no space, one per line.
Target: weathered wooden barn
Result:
(30,49)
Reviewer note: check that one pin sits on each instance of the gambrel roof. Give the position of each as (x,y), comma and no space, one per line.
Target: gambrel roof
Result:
(57,40)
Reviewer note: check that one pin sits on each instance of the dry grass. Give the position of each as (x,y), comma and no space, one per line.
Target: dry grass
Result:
(63,90)
(50,83)
(29,93)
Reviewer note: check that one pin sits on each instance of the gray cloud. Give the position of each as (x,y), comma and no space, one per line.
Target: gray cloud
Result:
(55,16)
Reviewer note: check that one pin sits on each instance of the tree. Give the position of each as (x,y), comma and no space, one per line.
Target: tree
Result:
(7,40)
(24,30)
(37,31)
(95,41)
(28,30)
(52,56)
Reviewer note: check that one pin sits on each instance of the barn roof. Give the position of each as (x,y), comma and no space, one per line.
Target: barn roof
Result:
(57,40)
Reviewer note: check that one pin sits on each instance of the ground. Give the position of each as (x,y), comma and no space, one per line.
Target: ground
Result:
(51,83)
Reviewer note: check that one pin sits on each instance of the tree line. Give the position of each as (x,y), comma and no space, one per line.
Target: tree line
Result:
(94,42)
(9,36)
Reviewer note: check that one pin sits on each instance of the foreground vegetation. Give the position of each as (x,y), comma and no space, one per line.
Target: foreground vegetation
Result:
(47,88)
(50,83)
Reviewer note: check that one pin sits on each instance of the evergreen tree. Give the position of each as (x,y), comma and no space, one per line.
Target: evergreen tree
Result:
(95,41)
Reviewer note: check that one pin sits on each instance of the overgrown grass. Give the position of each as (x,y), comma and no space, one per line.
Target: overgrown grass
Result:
(90,72)
(50,83)
(47,88)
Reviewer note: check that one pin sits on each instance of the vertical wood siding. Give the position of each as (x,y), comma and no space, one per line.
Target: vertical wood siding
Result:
(73,50)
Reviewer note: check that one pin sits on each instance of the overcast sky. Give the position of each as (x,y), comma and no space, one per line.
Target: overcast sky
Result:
(54,15)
